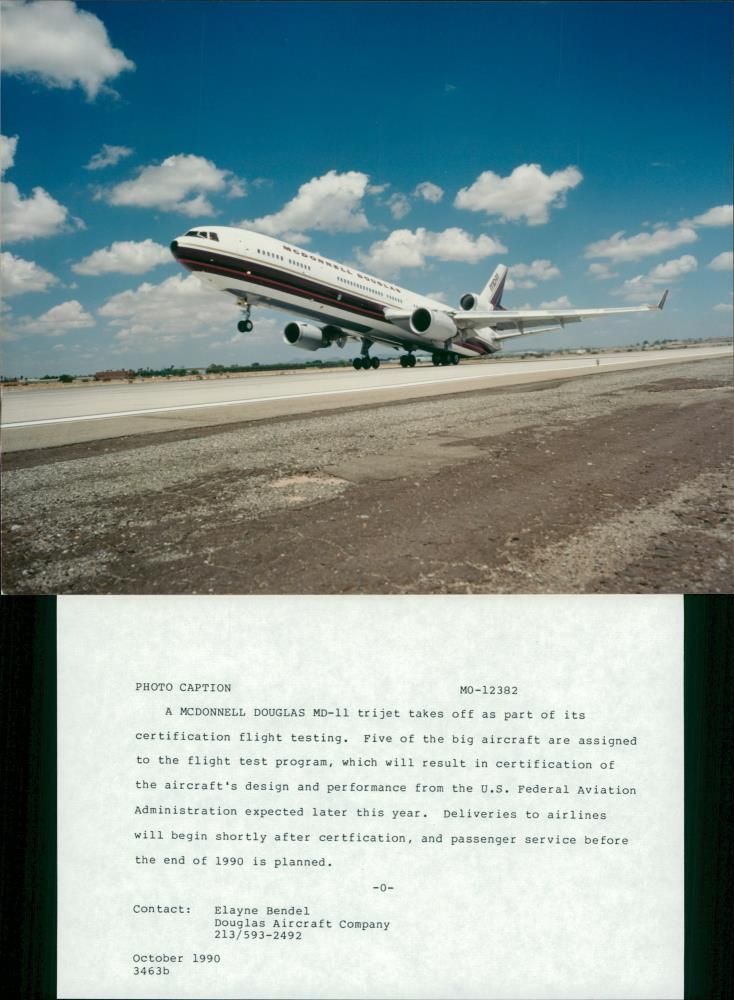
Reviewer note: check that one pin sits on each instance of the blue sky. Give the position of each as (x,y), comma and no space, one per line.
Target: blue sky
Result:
(587,145)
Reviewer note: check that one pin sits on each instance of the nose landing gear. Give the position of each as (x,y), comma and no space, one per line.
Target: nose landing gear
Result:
(245,325)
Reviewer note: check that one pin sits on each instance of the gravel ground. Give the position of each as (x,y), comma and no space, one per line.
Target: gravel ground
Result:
(615,482)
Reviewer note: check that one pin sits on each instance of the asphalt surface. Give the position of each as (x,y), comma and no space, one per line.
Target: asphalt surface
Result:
(619,482)
(53,415)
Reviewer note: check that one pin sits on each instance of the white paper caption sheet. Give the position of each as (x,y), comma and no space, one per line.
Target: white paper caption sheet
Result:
(371,797)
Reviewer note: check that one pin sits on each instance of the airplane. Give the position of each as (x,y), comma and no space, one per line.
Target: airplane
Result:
(340,303)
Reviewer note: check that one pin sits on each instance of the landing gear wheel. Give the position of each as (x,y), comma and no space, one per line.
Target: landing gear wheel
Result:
(357,364)
(242,326)
(436,360)
(403,360)
(411,361)
(375,362)
(454,359)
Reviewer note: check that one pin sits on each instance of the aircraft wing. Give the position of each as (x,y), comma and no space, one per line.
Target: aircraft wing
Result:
(515,322)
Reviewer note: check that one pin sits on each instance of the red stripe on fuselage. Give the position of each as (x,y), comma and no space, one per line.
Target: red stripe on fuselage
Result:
(194,265)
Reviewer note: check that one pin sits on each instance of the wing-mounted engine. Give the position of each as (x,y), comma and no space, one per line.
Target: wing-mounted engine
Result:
(469,302)
(432,323)
(308,337)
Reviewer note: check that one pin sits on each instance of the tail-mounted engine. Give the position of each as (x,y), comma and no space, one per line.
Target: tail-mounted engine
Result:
(469,302)
(308,337)
(431,323)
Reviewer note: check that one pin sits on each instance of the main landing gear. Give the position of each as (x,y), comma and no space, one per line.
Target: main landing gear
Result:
(407,360)
(365,361)
(245,325)
(445,358)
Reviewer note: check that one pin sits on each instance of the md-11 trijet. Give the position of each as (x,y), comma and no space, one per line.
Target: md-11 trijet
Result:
(339,303)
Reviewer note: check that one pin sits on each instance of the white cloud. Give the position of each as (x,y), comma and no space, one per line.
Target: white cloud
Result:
(528,275)
(428,191)
(720,215)
(723,307)
(59,44)
(601,272)
(331,203)
(617,248)
(57,321)
(125,257)
(559,303)
(647,287)
(8,145)
(525,193)
(302,239)
(181,306)
(723,262)
(671,270)
(404,248)
(638,289)
(399,205)
(108,156)
(169,184)
(20,276)
(27,218)
(237,188)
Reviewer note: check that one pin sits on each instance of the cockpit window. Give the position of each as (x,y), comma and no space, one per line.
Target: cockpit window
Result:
(192,232)
(213,236)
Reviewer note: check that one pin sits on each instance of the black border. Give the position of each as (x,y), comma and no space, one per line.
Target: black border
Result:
(709,726)
(28,814)
(28,810)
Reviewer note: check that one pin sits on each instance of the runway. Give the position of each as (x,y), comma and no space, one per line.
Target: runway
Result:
(45,417)
(617,483)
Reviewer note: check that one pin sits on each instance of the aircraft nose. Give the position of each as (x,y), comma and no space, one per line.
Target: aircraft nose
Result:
(174,247)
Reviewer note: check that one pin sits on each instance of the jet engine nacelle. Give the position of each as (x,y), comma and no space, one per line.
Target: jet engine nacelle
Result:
(304,335)
(310,338)
(433,324)
(469,302)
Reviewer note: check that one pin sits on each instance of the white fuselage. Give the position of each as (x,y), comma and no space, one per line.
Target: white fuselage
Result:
(257,268)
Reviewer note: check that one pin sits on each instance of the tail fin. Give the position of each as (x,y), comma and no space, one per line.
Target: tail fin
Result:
(492,291)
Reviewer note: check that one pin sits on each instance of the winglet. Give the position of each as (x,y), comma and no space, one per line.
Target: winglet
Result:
(661,303)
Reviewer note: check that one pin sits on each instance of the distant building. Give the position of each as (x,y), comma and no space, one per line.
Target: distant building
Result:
(110,375)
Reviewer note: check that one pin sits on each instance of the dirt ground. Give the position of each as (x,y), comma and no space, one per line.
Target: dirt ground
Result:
(617,482)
